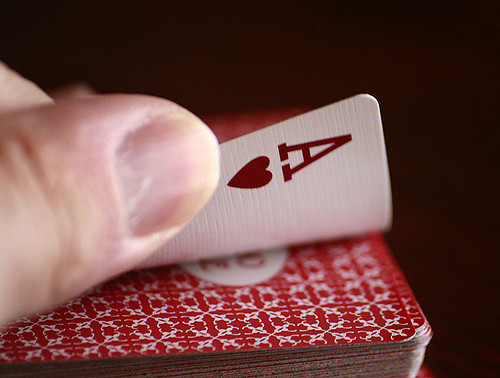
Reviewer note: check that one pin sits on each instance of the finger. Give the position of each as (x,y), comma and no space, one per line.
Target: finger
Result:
(71,92)
(16,92)
(90,188)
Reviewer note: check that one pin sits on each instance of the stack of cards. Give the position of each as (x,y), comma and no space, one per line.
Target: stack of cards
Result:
(338,308)
(313,309)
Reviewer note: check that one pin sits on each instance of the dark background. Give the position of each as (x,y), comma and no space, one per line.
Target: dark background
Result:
(432,65)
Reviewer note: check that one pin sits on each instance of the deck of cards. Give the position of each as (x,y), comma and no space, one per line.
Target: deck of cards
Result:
(283,273)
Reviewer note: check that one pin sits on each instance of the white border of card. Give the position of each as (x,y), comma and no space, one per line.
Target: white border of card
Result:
(318,176)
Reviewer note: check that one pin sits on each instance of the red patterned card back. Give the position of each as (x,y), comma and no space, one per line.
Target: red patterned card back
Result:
(327,294)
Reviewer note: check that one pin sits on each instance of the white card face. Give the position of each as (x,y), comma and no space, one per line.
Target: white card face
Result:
(321,175)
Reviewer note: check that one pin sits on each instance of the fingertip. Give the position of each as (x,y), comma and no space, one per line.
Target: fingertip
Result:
(168,169)
(18,92)
(72,91)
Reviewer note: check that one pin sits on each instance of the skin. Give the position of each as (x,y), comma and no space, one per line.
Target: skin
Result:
(91,185)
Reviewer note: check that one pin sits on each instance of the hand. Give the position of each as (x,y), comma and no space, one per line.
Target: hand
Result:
(89,186)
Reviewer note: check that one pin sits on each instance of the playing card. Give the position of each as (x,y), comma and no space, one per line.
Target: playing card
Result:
(317,176)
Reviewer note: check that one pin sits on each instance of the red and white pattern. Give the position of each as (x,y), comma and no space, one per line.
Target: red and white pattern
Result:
(327,294)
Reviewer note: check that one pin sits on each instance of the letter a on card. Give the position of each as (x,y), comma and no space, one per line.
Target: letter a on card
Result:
(317,176)
(334,143)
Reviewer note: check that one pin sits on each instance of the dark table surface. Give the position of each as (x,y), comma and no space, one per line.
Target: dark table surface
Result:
(432,65)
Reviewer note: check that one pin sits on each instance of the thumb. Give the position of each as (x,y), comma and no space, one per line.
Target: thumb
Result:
(90,187)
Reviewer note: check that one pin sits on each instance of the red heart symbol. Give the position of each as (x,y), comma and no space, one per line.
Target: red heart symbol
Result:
(253,175)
